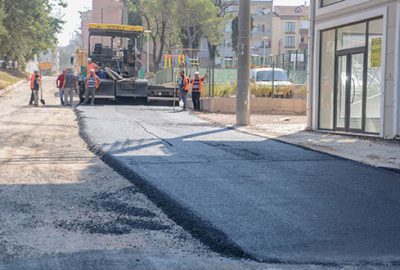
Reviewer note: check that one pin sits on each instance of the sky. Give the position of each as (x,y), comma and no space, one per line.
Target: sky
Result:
(72,18)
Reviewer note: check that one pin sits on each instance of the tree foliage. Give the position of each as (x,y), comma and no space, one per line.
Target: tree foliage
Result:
(194,17)
(235,33)
(183,23)
(28,27)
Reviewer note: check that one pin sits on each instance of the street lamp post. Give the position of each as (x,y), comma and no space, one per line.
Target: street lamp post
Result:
(148,48)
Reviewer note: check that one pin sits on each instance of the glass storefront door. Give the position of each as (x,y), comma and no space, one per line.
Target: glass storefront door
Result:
(351,80)
(350,90)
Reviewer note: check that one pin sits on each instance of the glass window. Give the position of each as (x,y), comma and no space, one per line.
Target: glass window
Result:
(374,77)
(352,36)
(290,27)
(325,3)
(290,42)
(266,76)
(327,79)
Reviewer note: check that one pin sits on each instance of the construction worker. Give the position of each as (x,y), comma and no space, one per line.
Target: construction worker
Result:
(81,84)
(197,84)
(92,84)
(90,65)
(69,86)
(35,90)
(60,84)
(183,88)
(32,86)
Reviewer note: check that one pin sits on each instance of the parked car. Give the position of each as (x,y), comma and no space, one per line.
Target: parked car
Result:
(263,77)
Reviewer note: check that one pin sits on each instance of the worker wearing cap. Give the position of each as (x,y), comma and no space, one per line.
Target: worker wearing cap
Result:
(32,85)
(197,84)
(92,84)
(90,65)
(183,88)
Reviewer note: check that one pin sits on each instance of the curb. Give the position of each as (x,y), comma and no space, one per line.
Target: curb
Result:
(305,147)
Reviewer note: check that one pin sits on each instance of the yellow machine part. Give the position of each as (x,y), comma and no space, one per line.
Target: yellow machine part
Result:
(80,59)
(117,27)
(45,66)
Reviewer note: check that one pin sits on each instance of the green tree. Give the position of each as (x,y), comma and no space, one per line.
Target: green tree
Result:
(158,18)
(29,29)
(194,17)
(235,33)
(214,31)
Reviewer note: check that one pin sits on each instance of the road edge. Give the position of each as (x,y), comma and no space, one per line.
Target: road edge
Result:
(260,134)
(11,87)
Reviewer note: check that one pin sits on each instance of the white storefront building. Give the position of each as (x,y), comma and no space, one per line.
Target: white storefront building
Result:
(355,67)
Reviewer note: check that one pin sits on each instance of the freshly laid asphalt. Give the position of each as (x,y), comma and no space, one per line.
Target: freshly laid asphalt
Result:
(248,196)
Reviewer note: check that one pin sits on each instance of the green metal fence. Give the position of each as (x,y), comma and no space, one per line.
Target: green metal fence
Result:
(294,63)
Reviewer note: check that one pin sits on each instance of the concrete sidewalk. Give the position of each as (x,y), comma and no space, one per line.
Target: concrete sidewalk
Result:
(249,196)
(291,129)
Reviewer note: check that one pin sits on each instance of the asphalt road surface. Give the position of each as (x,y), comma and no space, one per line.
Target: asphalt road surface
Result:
(248,196)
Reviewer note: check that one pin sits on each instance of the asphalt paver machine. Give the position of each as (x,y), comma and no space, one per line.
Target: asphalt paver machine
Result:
(116,49)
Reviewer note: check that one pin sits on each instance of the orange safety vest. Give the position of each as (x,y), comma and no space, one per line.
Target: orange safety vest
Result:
(201,83)
(33,81)
(186,84)
(89,67)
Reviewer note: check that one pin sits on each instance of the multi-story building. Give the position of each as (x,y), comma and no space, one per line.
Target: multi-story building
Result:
(261,12)
(290,28)
(355,67)
(86,19)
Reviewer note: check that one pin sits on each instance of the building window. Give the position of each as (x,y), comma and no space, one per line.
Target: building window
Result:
(290,42)
(290,27)
(325,3)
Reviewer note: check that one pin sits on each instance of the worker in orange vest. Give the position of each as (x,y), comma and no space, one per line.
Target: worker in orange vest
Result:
(89,66)
(92,84)
(184,87)
(197,84)
(32,85)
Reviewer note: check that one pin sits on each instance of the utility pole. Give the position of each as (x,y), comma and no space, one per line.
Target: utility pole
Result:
(243,91)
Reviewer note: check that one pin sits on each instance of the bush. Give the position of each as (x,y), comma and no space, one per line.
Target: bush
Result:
(7,79)
(221,90)
(229,90)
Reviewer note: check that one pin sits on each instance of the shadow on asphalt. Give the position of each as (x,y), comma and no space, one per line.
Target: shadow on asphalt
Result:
(131,102)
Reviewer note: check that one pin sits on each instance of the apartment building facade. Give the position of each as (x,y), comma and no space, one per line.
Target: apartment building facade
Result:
(355,67)
(290,28)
